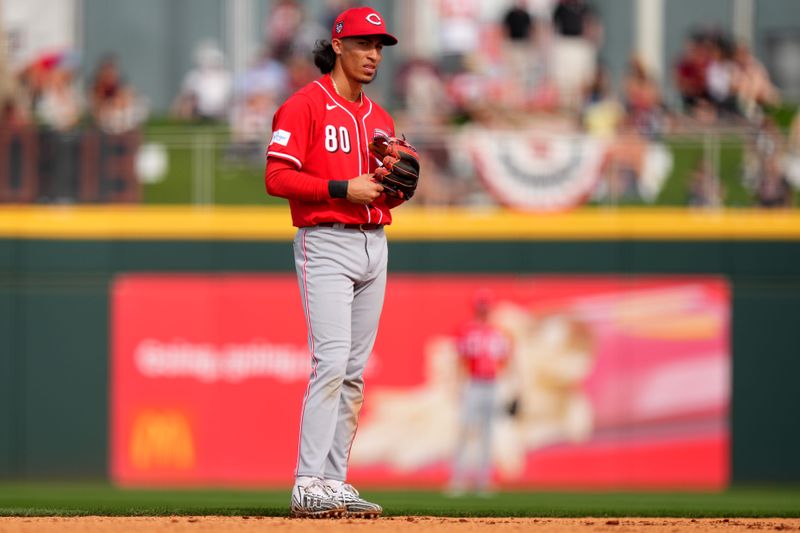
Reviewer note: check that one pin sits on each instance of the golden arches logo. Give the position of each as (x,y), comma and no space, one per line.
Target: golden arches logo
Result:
(162,438)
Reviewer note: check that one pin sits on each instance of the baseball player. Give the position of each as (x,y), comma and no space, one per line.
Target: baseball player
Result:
(319,159)
(483,352)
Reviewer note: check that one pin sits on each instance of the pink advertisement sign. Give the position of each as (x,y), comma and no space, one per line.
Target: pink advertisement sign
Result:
(616,382)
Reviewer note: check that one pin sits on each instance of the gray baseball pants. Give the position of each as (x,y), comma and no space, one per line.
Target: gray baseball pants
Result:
(342,277)
(478,410)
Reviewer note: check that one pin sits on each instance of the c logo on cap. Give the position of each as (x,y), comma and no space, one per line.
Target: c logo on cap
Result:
(374,18)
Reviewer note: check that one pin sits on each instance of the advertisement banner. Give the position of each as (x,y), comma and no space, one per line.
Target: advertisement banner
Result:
(613,382)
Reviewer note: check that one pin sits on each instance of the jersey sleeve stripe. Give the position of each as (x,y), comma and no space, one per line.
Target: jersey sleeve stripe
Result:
(286,156)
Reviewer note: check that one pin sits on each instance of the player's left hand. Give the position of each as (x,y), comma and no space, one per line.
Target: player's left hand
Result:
(399,172)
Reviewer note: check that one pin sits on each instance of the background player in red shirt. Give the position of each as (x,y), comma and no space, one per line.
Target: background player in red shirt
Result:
(319,160)
(483,351)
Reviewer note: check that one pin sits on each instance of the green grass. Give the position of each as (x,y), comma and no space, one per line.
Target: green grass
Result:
(783,115)
(77,499)
(687,154)
(202,152)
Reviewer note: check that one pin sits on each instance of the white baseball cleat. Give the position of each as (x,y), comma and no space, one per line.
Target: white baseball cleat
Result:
(355,505)
(315,500)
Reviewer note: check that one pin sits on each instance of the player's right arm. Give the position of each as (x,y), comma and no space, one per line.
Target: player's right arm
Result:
(285,181)
(292,128)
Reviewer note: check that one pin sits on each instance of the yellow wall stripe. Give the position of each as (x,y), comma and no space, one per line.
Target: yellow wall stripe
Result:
(274,223)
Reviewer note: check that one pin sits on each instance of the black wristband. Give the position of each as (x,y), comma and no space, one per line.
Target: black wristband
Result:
(337,188)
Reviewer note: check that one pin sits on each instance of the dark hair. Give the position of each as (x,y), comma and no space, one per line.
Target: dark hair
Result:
(324,56)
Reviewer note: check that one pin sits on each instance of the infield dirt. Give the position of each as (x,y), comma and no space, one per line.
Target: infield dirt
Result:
(180,524)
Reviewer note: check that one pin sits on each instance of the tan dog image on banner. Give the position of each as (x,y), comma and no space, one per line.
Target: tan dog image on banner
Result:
(540,398)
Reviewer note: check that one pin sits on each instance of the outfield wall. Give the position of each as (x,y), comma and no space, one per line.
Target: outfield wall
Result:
(56,267)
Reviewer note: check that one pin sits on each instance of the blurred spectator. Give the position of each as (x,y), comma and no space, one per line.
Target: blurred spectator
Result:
(422,92)
(60,105)
(598,87)
(282,25)
(8,81)
(474,93)
(518,22)
(519,52)
(12,115)
(107,83)
(115,106)
(307,36)
(251,123)
(754,88)
(206,90)
(268,74)
(603,116)
(705,187)
(765,149)
(59,109)
(577,36)
(792,156)
(690,71)
(642,97)
(601,112)
(258,91)
(773,188)
(459,33)
(16,105)
(34,76)
(576,18)
(623,167)
(722,74)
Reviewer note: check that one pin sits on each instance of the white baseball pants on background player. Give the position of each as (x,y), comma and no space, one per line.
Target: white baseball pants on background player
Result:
(342,277)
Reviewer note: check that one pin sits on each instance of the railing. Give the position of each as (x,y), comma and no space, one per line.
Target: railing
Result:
(86,166)
(531,169)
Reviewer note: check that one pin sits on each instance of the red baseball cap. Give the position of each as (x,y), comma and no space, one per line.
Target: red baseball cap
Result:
(361,22)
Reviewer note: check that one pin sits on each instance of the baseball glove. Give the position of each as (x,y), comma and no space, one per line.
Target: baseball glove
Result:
(399,172)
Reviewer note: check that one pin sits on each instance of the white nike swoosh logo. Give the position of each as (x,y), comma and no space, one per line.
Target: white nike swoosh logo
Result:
(329,107)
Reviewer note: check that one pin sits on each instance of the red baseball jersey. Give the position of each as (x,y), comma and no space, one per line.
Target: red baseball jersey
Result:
(484,349)
(326,137)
